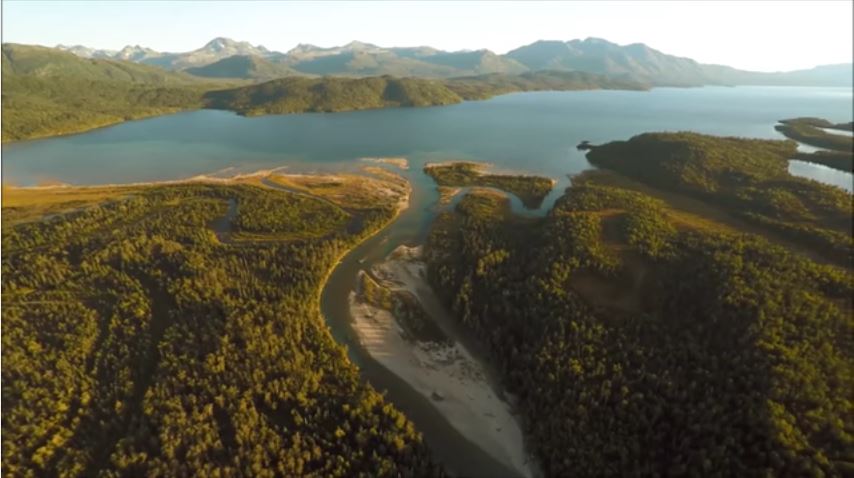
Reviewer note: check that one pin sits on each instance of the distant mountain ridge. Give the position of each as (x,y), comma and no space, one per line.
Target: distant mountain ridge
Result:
(243,66)
(636,61)
(47,91)
(595,55)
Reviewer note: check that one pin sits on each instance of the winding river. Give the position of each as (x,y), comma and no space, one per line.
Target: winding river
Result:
(531,132)
(450,447)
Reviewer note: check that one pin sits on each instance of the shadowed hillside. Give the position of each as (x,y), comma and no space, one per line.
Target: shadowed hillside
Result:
(243,67)
(297,95)
(47,92)
(329,94)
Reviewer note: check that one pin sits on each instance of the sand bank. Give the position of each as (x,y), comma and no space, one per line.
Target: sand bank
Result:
(447,373)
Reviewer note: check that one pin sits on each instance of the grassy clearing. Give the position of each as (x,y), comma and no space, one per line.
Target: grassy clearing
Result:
(32,204)
(350,190)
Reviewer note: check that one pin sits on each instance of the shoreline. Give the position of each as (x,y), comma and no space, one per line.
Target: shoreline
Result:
(199,178)
(402,205)
(483,398)
(641,89)
(211,178)
(446,373)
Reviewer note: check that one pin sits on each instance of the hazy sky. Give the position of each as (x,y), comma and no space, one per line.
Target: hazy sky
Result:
(762,35)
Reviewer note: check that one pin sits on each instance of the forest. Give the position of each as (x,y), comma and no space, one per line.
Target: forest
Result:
(482,87)
(639,343)
(47,92)
(531,190)
(329,94)
(139,342)
(747,177)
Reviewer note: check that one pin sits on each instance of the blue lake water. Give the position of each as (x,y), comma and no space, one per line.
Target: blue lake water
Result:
(535,132)
(532,132)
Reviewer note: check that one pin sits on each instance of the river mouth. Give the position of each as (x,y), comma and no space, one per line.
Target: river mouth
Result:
(457,453)
(532,131)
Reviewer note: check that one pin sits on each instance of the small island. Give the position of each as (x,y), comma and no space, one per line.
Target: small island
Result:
(584,146)
(400,163)
(531,190)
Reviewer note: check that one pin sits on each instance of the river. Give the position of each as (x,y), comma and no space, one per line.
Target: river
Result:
(531,132)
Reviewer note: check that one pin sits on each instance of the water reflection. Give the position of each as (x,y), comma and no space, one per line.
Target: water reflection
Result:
(822,174)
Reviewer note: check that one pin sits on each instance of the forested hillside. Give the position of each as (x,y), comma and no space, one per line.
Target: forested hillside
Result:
(747,177)
(329,94)
(243,67)
(643,341)
(486,86)
(47,92)
(298,95)
(175,331)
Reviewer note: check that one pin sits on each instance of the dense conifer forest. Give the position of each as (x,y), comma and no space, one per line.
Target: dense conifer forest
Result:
(299,95)
(747,177)
(641,339)
(636,348)
(48,92)
(140,340)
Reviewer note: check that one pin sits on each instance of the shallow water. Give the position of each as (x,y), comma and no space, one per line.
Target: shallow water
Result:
(535,132)
(840,132)
(531,132)
(822,174)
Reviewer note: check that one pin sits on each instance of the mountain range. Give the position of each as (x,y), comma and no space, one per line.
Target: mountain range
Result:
(226,58)
(47,91)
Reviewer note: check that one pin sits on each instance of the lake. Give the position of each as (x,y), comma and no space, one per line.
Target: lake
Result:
(532,132)
(535,132)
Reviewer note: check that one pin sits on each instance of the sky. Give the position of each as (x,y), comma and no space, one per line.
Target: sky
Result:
(761,36)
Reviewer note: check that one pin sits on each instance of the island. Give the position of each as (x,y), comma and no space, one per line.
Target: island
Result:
(531,190)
